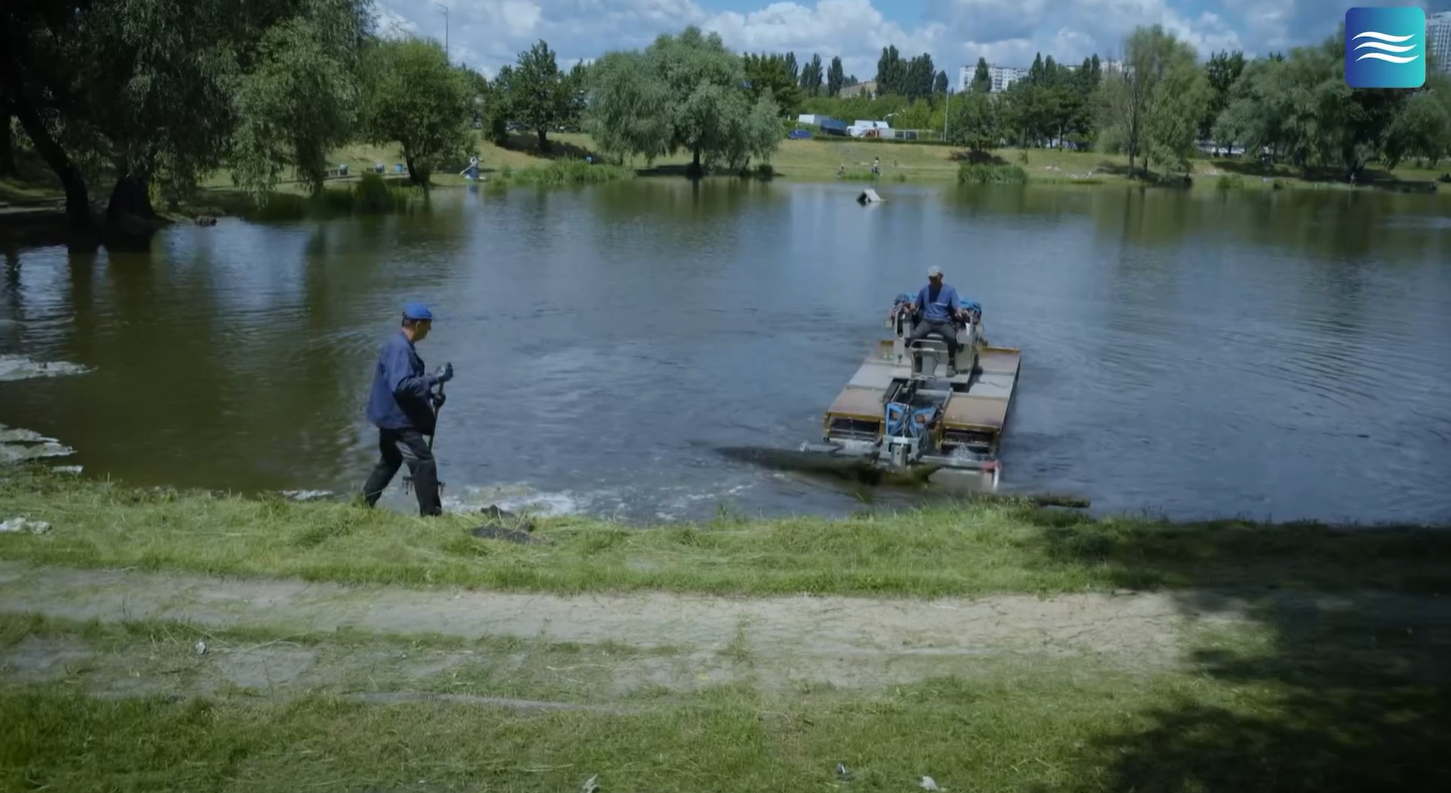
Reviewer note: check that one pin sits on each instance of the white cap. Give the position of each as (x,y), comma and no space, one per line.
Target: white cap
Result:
(934,271)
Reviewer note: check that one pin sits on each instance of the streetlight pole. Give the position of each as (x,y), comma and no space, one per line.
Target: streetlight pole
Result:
(445,28)
(946,109)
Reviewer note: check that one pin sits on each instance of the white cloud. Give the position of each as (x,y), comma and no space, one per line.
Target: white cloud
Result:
(853,30)
(487,34)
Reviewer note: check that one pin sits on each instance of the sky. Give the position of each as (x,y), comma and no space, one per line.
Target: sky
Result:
(486,34)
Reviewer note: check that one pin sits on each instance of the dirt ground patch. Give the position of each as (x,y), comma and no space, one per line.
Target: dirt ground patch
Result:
(808,636)
(613,646)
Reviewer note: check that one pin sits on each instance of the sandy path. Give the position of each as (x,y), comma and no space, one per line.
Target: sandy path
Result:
(843,641)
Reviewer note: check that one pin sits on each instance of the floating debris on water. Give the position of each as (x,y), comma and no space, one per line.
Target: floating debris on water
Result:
(24,525)
(18,444)
(306,495)
(18,367)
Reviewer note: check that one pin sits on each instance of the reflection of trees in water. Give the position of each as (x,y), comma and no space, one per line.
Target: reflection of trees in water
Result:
(198,385)
(14,304)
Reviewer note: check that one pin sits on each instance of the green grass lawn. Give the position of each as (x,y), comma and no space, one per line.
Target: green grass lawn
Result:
(973,549)
(1337,677)
(1337,680)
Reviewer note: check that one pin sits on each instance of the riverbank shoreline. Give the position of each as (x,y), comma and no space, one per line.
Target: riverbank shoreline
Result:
(34,202)
(972,548)
(261,643)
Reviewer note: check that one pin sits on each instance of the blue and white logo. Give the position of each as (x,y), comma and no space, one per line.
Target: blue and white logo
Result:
(1385,48)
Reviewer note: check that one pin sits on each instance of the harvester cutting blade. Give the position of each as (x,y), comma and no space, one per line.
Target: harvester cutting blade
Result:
(831,461)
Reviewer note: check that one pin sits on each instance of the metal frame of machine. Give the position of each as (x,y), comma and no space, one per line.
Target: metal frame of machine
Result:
(904,409)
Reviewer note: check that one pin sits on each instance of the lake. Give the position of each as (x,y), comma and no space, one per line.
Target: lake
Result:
(1267,354)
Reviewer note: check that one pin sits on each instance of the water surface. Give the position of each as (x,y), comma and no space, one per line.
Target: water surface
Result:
(1276,354)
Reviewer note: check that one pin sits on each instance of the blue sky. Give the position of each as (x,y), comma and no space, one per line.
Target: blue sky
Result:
(489,33)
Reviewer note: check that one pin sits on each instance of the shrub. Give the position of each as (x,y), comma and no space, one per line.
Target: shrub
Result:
(977,173)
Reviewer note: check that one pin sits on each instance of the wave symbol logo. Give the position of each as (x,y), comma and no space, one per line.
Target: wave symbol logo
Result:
(1385,47)
(1387,44)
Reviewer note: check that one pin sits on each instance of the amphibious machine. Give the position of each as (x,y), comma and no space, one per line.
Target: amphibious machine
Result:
(905,408)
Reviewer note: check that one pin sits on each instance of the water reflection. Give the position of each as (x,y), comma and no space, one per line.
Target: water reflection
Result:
(1275,353)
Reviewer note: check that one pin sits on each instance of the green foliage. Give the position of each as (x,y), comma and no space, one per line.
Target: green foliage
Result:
(371,195)
(564,172)
(1051,104)
(1298,108)
(1155,105)
(683,92)
(982,79)
(415,98)
(299,102)
(491,108)
(1223,70)
(538,95)
(835,77)
(983,173)
(810,79)
(1424,128)
(974,122)
(770,76)
(913,78)
(1230,182)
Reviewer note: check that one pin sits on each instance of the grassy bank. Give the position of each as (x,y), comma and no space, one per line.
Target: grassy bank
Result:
(1282,685)
(973,549)
(1036,730)
(1350,697)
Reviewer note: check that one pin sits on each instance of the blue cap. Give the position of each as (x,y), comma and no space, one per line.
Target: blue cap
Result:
(417,311)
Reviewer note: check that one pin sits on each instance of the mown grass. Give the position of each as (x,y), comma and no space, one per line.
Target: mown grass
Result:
(971,549)
(966,735)
(1241,715)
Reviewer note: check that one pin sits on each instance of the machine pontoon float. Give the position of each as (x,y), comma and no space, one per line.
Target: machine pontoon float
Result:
(905,409)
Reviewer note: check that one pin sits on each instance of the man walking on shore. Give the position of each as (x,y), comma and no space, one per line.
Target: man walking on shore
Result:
(403,406)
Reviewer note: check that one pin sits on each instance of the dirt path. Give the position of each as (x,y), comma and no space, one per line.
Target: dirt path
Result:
(1133,629)
(673,641)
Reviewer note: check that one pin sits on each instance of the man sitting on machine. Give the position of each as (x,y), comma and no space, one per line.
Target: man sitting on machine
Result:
(941,311)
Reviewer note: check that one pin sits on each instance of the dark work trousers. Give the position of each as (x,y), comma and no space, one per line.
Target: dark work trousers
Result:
(942,327)
(396,448)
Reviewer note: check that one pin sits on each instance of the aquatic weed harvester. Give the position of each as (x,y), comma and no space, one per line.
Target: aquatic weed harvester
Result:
(905,410)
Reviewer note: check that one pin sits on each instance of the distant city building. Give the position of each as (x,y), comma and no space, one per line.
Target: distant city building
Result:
(867,89)
(1438,39)
(1003,77)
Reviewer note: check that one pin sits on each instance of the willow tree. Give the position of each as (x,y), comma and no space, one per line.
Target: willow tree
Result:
(300,100)
(154,94)
(685,92)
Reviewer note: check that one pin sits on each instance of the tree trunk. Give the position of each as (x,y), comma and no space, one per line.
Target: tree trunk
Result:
(412,173)
(695,170)
(77,198)
(543,139)
(131,196)
(7,143)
